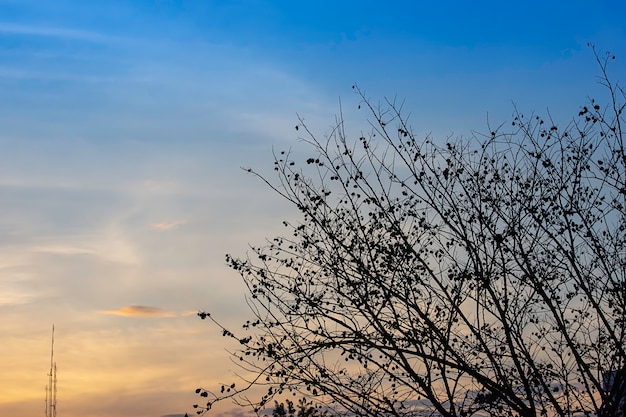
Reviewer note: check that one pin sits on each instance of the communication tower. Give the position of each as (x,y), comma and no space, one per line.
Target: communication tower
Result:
(51,388)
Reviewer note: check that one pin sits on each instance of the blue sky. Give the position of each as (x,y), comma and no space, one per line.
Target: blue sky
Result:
(123,127)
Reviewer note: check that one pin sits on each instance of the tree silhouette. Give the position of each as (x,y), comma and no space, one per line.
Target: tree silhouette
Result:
(475,277)
(304,408)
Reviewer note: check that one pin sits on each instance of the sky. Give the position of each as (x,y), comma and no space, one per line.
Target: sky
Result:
(124,126)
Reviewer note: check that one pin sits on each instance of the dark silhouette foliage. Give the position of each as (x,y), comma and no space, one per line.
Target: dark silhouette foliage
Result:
(304,408)
(476,277)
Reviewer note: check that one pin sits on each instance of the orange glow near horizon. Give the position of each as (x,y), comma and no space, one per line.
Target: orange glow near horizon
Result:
(113,373)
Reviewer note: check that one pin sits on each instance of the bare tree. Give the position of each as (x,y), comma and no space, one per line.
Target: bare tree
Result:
(476,277)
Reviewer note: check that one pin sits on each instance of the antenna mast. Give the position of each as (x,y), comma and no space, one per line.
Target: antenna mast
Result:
(51,388)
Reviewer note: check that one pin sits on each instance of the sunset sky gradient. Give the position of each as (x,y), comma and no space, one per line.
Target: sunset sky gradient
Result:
(124,126)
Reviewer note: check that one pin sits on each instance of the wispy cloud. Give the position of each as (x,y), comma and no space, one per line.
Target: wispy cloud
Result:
(13,295)
(56,32)
(109,248)
(169,225)
(139,311)
(189,313)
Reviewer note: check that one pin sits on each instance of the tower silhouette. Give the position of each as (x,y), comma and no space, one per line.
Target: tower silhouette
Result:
(51,388)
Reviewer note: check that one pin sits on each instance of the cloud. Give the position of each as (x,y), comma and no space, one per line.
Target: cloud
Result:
(16,286)
(139,311)
(15,296)
(188,313)
(170,225)
(110,248)
(77,34)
